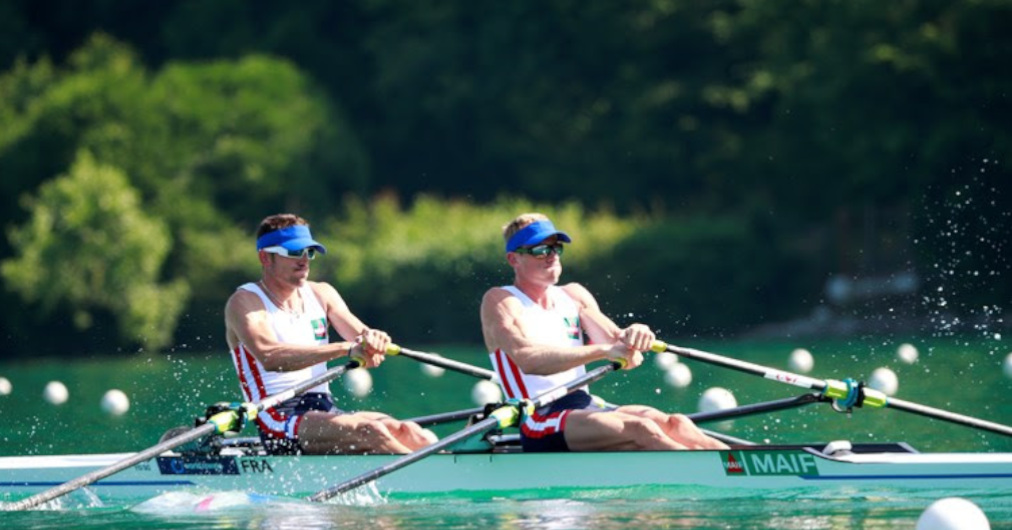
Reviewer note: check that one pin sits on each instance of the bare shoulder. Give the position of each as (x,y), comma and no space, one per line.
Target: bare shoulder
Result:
(580,294)
(322,289)
(495,296)
(498,302)
(328,296)
(243,301)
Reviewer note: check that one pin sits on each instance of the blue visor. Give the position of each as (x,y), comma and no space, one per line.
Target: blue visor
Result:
(295,237)
(535,233)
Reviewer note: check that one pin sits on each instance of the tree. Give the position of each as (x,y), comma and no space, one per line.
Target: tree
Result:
(89,244)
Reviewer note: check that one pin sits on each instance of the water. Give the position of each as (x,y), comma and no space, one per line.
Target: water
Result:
(962,375)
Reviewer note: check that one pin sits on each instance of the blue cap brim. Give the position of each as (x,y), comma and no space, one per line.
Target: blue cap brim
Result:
(535,233)
(295,237)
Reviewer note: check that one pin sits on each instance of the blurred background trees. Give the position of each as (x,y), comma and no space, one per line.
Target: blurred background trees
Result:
(719,162)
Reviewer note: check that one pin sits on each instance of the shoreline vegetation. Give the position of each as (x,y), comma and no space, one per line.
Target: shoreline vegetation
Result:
(725,168)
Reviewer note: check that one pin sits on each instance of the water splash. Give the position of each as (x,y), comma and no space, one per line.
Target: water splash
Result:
(964,238)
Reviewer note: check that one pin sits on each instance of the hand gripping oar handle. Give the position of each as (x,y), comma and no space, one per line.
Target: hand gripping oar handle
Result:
(844,391)
(443,362)
(219,423)
(504,416)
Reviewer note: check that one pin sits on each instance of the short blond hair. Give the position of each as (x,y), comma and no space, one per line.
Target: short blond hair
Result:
(521,221)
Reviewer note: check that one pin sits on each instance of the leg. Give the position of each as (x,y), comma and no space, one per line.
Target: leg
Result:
(407,432)
(677,426)
(326,433)
(615,431)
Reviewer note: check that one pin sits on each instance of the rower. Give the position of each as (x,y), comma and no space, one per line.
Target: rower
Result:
(535,330)
(277,330)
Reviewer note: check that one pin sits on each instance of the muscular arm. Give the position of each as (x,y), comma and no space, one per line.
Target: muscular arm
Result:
(246,322)
(503,329)
(637,337)
(349,327)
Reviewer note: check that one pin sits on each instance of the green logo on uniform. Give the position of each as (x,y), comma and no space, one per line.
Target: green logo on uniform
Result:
(320,328)
(573,327)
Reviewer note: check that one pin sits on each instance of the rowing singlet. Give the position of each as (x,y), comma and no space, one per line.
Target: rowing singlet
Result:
(559,326)
(309,328)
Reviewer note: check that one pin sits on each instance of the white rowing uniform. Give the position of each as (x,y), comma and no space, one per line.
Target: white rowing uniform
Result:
(558,326)
(257,383)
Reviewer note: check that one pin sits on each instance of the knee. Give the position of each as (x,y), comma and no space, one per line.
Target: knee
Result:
(680,421)
(644,433)
(374,430)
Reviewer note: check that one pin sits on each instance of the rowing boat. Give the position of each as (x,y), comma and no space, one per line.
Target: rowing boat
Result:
(486,459)
(506,469)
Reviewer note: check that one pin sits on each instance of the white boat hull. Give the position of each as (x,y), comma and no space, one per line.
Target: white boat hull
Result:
(499,473)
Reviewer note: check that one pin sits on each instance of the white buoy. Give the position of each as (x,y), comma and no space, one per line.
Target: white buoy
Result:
(907,353)
(358,382)
(665,360)
(432,371)
(1007,366)
(716,398)
(678,376)
(884,380)
(55,393)
(5,386)
(953,513)
(115,402)
(485,392)
(801,360)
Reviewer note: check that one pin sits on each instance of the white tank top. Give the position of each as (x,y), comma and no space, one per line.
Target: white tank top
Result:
(309,328)
(559,326)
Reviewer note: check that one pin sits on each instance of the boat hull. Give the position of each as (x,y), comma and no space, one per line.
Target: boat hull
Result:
(498,473)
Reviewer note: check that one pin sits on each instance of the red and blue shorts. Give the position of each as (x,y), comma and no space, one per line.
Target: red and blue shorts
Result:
(292,411)
(544,430)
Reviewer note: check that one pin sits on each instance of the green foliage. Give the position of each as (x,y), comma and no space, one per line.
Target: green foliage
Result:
(698,274)
(794,140)
(187,140)
(89,244)
(420,272)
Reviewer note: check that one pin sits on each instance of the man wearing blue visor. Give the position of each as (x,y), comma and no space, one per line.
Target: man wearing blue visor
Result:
(278,333)
(535,333)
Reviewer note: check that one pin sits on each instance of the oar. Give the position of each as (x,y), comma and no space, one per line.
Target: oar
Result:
(846,392)
(504,416)
(443,362)
(217,424)
(446,417)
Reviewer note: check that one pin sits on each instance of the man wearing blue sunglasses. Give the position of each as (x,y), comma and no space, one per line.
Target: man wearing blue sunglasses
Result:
(278,333)
(535,333)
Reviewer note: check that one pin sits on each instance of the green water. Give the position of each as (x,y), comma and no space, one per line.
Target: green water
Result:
(960,375)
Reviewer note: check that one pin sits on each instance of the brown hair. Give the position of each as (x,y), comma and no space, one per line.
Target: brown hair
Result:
(279,221)
(521,221)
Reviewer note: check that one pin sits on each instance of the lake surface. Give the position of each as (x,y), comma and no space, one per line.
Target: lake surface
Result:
(166,390)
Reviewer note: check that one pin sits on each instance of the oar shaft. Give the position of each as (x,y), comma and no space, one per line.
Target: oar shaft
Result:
(99,474)
(952,417)
(503,417)
(406,460)
(285,395)
(835,389)
(757,408)
(171,443)
(585,379)
(435,419)
(749,368)
(443,362)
